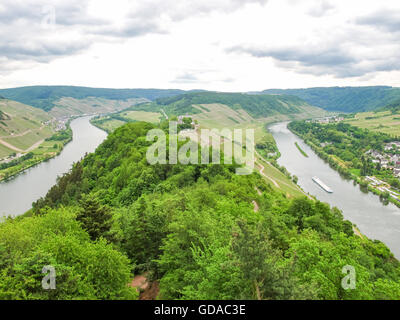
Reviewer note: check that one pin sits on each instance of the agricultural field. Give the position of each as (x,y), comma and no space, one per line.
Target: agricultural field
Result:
(107,124)
(22,127)
(153,117)
(384,121)
(26,137)
(43,150)
(113,121)
(27,141)
(278,180)
(4,151)
(68,106)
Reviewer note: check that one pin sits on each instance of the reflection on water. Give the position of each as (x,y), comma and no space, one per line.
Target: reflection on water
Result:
(375,219)
(18,194)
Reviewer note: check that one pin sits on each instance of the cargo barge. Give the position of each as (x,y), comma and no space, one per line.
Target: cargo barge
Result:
(322,185)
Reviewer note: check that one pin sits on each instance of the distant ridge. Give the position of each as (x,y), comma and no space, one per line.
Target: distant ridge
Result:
(258,106)
(43,97)
(345,99)
(392,107)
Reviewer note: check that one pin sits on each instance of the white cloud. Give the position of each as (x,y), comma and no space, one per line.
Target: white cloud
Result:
(230,45)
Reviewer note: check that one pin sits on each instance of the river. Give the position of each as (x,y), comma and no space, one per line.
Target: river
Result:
(374,219)
(18,194)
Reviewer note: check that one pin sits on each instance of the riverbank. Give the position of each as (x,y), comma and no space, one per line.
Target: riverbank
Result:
(46,150)
(374,219)
(18,194)
(336,165)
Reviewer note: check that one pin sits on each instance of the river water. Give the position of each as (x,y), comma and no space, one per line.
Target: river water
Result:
(18,194)
(374,219)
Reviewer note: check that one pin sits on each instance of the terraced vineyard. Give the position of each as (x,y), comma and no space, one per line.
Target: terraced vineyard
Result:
(384,121)
(27,137)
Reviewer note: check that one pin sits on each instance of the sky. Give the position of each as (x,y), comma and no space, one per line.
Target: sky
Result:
(221,45)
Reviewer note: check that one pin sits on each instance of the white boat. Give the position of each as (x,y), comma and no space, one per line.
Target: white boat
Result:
(322,185)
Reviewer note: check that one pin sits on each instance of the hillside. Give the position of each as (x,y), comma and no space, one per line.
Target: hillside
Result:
(345,99)
(382,121)
(28,136)
(67,106)
(394,107)
(257,106)
(195,232)
(21,126)
(217,110)
(47,97)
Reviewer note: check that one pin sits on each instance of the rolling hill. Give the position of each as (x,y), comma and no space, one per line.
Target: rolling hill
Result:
(21,126)
(257,106)
(217,110)
(394,107)
(385,120)
(48,97)
(345,99)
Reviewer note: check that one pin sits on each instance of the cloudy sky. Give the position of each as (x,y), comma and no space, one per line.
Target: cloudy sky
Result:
(225,45)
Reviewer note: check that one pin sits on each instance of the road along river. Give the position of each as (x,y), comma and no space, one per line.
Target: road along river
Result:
(374,219)
(18,194)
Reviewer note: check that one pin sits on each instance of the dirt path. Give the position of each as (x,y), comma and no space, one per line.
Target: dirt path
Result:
(10,146)
(33,147)
(256,207)
(19,134)
(147,290)
(269,178)
(358,233)
(275,183)
(140,282)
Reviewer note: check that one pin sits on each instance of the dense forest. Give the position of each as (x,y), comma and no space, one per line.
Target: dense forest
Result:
(199,232)
(345,99)
(394,107)
(257,106)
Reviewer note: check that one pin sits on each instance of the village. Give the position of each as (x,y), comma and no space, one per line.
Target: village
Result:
(58,124)
(390,159)
(328,120)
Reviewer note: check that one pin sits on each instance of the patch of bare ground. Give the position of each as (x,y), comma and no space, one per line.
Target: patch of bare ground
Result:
(147,290)
(357,232)
(256,207)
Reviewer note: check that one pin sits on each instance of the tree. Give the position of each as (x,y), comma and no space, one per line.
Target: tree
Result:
(95,219)
(261,267)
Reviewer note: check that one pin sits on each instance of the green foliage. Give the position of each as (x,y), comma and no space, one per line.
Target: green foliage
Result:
(347,143)
(192,228)
(43,97)
(84,269)
(95,219)
(346,99)
(17,161)
(394,107)
(301,150)
(3,116)
(64,135)
(256,105)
